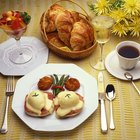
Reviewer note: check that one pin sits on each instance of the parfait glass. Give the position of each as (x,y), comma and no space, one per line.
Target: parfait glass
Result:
(102,27)
(20,54)
(14,24)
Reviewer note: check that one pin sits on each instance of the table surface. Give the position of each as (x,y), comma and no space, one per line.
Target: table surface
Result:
(126,104)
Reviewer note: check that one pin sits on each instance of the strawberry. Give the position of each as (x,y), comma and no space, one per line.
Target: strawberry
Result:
(15,24)
(17,15)
(4,15)
(9,23)
(3,21)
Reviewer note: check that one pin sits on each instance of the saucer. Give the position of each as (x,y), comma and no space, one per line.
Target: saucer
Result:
(113,67)
(39,52)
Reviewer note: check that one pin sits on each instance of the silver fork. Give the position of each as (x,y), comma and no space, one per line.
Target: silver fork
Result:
(9,92)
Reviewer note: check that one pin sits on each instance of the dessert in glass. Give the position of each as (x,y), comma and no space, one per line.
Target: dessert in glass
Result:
(102,27)
(14,23)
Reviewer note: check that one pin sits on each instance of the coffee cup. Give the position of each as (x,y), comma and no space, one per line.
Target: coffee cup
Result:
(128,53)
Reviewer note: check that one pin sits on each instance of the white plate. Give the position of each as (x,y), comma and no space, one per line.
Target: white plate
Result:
(40,56)
(113,67)
(50,123)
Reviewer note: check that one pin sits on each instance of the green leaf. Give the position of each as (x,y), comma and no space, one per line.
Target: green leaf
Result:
(92,7)
(26,17)
(118,4)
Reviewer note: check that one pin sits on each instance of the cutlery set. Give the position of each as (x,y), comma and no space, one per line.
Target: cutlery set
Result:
(108,93)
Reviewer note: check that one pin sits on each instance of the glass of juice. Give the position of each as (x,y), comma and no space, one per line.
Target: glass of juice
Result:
(102,27)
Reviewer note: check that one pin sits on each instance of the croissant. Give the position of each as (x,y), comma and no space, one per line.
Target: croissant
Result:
(81,35)
(50,17)
(73,29)
(64,24)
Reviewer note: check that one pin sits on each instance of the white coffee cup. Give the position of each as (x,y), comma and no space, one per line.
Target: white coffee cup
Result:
(128,53)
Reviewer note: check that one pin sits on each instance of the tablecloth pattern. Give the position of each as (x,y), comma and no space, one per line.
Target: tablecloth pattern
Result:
(126,105)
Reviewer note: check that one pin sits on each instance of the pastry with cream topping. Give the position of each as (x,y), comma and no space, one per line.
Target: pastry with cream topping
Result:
(39,104)
(68,104)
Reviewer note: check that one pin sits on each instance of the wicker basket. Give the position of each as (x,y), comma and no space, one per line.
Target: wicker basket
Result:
(64,51)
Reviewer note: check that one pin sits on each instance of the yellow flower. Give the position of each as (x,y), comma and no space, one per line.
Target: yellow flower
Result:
(118,15)
(120,29)
(135,26)
(132,6)
(126,13)
(102,7)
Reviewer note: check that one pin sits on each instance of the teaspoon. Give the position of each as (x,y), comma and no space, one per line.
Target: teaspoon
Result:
(110,94)
(130,78)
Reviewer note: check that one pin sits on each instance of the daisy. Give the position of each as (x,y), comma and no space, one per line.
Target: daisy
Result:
(102,7)
(132,6)
(135,26)
(120,29)
(118,15)
(126,13)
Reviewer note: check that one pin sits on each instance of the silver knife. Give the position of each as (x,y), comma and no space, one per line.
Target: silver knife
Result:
(101,91)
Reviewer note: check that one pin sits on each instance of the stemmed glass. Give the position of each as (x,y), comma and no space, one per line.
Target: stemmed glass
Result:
(15,24)
(102,27)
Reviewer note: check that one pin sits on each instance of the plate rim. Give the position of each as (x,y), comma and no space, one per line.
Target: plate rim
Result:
(17,70)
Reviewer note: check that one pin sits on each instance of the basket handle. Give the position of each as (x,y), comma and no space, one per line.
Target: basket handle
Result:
(87,16)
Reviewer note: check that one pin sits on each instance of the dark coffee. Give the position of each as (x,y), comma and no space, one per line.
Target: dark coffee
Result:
(129,52)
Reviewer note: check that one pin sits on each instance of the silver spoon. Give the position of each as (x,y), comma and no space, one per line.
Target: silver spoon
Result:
(110,94)
(130,78)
